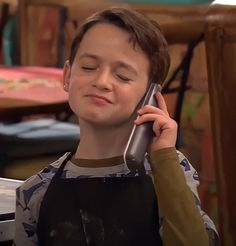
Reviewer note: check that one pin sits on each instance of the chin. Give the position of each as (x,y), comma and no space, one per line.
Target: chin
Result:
(108,122)
(105,117)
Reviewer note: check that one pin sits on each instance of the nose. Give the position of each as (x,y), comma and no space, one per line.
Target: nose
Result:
(103,80)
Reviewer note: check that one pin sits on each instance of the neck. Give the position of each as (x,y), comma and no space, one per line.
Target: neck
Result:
(103,142)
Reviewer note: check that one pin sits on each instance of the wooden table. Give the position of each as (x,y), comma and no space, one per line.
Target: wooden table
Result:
(31,90)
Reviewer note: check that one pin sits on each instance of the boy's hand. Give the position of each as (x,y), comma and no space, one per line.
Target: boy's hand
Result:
(164,127)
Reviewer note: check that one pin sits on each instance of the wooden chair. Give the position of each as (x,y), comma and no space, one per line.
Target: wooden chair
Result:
(68,11)
(221,57)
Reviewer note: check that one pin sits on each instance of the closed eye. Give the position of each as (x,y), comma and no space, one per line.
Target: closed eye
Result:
(86,68)
(123,78)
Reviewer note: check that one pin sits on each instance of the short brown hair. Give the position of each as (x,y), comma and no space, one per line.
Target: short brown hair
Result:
(143,31)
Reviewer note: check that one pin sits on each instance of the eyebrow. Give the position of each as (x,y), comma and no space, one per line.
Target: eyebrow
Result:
(87,55)
(119,63)
(127,66)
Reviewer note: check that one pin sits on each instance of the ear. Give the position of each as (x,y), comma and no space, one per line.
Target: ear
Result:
(66,75)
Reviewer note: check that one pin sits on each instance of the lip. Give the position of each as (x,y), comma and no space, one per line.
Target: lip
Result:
(95,96)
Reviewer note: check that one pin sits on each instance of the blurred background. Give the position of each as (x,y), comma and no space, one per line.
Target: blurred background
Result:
(36,124)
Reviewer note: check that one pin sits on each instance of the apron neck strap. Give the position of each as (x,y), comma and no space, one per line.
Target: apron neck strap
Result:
(61,168)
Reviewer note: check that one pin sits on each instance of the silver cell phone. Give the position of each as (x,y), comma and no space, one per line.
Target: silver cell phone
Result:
(141,135)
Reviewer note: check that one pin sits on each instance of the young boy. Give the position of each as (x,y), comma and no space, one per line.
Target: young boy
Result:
(90,197)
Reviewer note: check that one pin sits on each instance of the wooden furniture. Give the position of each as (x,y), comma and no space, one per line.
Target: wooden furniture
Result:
(177,21)
(220,42)
(68,10)
(26,91)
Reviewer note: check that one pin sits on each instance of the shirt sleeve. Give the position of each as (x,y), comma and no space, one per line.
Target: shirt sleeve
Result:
(178,201)
(28,200)
(192,180)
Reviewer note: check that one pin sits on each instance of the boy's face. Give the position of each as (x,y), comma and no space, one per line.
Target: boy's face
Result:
(108,77)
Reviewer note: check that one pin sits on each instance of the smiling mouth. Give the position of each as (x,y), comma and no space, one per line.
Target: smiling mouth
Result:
(99,99)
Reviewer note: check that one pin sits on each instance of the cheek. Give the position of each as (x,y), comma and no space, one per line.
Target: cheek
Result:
(75,83)
(139,95)
(133,101)
(77,87)
(75,90)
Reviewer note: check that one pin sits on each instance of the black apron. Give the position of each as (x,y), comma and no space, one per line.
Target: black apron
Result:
(114,211)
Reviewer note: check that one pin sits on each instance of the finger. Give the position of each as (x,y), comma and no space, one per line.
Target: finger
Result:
(149,109)
(161,102)
(156,128)
(162,119)
(160,123)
